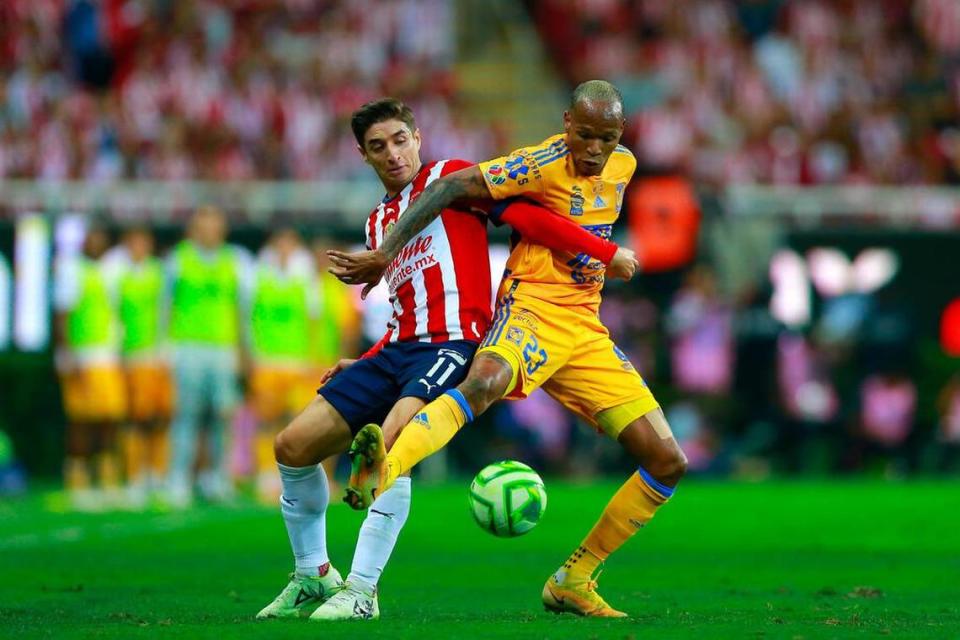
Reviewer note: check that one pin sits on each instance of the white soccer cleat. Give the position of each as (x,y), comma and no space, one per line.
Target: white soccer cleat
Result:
(302,594)
(351,603)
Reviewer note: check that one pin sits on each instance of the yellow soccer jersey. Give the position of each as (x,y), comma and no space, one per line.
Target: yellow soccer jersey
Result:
(546,173)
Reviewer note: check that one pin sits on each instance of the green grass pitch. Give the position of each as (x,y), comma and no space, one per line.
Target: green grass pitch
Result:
(723,560)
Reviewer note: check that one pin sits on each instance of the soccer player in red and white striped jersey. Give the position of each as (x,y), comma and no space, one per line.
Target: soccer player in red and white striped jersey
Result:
(439,285)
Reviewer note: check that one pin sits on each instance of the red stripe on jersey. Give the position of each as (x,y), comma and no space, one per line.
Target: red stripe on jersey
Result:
(468,242)
(437,311)
(407,320)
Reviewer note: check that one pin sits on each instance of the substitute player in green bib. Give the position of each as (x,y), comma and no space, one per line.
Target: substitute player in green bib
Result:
(140,289)
(283,313)
(205,278)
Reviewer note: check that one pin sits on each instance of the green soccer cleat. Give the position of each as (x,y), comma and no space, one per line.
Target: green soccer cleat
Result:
(302,594)
(367,454)
(350,603)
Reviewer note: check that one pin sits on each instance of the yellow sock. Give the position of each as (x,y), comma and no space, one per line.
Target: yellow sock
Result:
(76,474)
(428,432)
(134,453)
(631,507)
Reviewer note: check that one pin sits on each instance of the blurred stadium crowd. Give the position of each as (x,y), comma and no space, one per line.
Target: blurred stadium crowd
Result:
(131,89)
(761,91)
(776,91)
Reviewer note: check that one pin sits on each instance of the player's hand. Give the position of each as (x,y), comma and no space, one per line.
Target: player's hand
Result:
(358,268)
(624,264)
(335,369)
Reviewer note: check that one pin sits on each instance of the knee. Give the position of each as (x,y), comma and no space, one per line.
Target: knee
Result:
(486,383)
(669,466)
(481,391)
(288,451)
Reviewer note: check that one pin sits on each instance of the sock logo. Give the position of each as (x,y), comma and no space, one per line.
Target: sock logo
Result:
(385,515)
(637,523)
(422,419)
(289,501)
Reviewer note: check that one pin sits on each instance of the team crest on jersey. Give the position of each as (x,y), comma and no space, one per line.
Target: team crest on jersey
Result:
(516,167)
(576,202)
(620,188)
(515,335)
(495,174)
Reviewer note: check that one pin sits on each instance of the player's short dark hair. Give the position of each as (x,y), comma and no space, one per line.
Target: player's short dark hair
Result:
(596,91)
(380,111)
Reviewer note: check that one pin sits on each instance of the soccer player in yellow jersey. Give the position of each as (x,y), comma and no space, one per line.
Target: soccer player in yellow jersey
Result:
(545,332)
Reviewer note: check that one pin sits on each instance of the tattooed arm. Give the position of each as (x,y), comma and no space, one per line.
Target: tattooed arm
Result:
(368,266)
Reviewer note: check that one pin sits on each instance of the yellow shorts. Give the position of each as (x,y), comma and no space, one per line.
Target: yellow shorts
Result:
(279,392)
(150,390)
(94,393)
(568,352)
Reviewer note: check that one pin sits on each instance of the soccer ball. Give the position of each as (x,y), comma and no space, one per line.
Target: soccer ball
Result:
(507,498)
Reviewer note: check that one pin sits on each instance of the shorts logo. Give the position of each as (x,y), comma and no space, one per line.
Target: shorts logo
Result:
(516,167)
(515,335)
(495,174)
(429,386)
(576,202)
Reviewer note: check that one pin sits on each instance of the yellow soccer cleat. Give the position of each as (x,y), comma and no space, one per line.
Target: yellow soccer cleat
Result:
(562,595)
(367,473)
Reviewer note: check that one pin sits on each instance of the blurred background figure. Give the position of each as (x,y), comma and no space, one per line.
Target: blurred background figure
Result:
(87,334)
(205,278)
(140,291)
(336,331)
(284,311)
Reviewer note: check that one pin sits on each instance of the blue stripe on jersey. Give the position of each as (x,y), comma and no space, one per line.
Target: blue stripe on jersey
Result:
(464,405)
(498,319)
(543,163)
(507,302)
(655,484)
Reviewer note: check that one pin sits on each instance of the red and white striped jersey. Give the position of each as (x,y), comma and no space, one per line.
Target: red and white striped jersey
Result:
(440,281)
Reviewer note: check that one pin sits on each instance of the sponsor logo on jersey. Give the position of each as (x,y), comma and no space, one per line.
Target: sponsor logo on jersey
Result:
(414,256)
(576,202)
(495,174)
(516,167)
(598,203)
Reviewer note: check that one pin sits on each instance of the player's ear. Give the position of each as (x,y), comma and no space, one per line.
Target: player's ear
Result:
(417,139)
(363,154)
(566,121)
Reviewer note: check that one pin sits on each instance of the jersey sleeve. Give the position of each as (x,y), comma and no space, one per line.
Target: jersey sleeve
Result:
(516,174)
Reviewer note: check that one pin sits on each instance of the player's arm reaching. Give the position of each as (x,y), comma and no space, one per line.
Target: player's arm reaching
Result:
(540,226)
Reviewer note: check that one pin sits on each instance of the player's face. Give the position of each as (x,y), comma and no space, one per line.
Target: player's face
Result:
(593,132)
(139,244)
(95,243)
(393,150)
(286,242)
(209,229)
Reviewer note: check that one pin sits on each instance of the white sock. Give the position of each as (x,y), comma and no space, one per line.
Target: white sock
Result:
(304,506)
(378,534)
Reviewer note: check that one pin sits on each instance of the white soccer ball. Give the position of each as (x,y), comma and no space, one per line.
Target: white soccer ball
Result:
(507,498)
